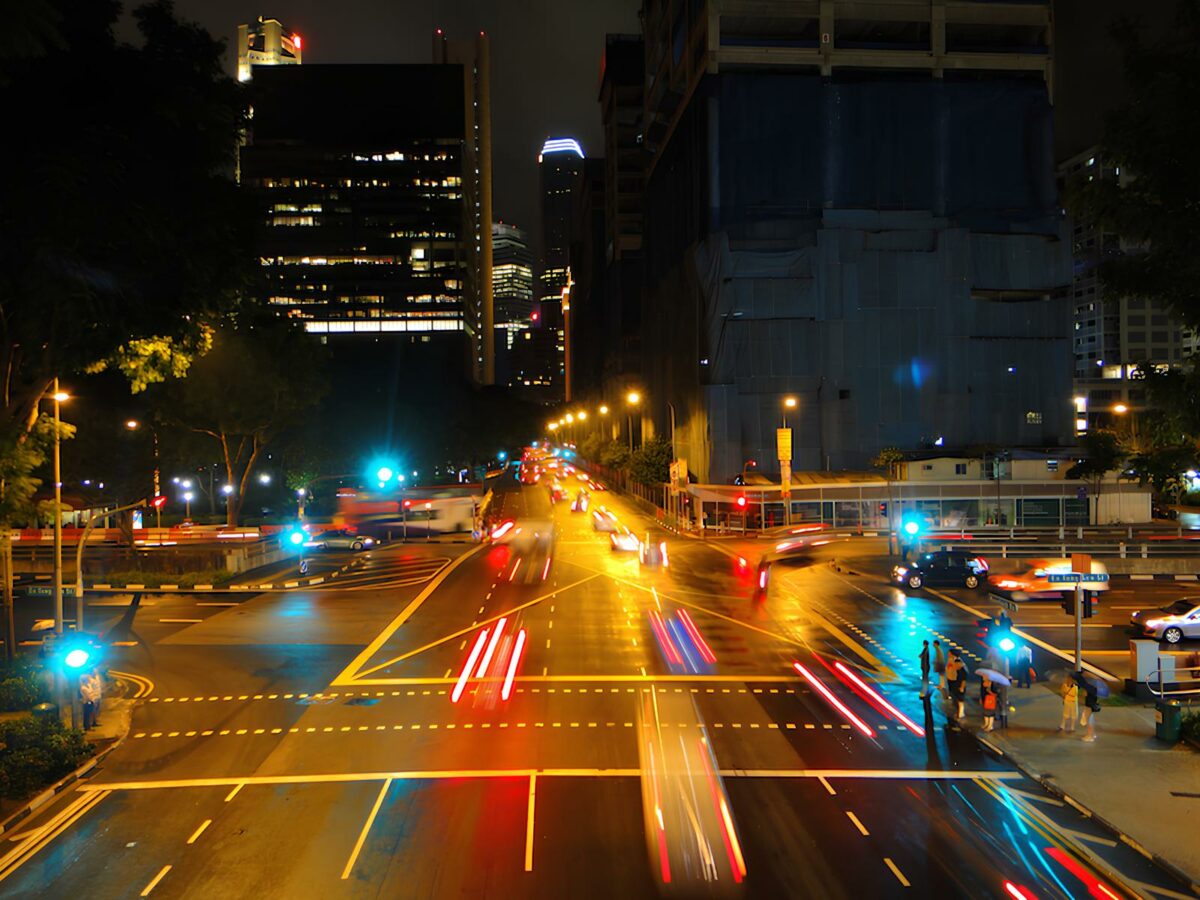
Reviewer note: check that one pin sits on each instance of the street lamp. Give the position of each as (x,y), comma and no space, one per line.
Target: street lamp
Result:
(632,399)
(603,410)
(134,425)
(227,489)
(788,403)
(264,478)
(1120,409)
(187,499)
(58,396)
(748,464)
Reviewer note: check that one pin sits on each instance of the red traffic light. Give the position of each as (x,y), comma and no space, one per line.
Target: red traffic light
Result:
(159,501)
(741,502)
(407,504)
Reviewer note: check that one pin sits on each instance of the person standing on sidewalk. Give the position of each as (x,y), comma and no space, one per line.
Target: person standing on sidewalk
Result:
(1024,666)
(989,703)
(939,666)
(925,670)
(1091,706)
(1070,701)
(956,678)
(89,695)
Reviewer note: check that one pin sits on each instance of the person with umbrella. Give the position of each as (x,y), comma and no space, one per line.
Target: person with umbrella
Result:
(1092,692)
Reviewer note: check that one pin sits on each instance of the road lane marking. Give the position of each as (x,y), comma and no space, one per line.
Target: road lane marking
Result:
(234,792)
(362,837)
(442,774)
(178,622)
(347,675)
(40,837)
(825,783)
(529,823)
(896,871)
(199,831)
(155,880)
(857,824)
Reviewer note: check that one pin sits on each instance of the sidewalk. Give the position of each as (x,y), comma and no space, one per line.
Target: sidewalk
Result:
(1139,787)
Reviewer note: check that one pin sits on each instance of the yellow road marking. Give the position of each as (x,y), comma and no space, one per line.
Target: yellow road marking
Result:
(439,774)
(529,823)
(143,684)
(347,674)
(857,824)
(199,831)
(825,783)
(365,829)
(154,881)
(234,792)
(896,871)
(457,634)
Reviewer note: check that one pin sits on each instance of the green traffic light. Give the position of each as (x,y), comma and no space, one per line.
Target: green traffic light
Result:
(77,658)
(911,527)
(296,537)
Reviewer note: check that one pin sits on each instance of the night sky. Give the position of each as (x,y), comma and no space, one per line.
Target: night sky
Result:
(546,63)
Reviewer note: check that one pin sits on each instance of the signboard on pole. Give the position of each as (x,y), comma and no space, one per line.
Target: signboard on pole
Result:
(785,478)
(783,444)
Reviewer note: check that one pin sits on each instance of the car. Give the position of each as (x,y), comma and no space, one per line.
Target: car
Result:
(652,554)
(1035,582)
(580,503)
(340,539)
(951,568)
(624,541)
(604,520)
(1170,623)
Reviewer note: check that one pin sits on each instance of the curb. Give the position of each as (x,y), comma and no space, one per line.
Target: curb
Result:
(1156,577)
(209,588)
(1050,785)
(57,788)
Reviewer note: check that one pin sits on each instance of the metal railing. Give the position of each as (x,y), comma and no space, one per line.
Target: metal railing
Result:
(1041,549)
(1156,678)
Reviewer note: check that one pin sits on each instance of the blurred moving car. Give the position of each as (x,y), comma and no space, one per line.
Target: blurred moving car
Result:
(604,520)
(1170,623)
(624,541)
(342,539)
(652,554)
(951,568)
(580,503)
(1035,581)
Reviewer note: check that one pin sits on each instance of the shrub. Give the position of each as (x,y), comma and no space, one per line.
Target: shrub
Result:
(21,685)
(651,464)
(614,455)
(1190,726)
(157,579)
(38,752)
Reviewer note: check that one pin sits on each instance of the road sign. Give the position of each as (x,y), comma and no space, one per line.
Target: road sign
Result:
(785,478)
(1007,604)
(42,590)
(783,444)
(1075,577)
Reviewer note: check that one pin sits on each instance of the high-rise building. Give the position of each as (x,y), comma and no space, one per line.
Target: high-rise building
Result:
(369,180)
(856,209)
(266,43)
(512,299)
(559,165)
(1112,335)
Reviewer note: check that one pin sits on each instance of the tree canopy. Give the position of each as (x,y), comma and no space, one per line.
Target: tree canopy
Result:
(1153,138)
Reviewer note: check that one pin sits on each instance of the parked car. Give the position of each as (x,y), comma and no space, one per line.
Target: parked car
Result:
(1169,623)
(341,539)
(950,568)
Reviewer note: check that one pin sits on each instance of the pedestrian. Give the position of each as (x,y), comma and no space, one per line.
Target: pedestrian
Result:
(1091,706)
(939,666)
(1024,666)
(924,670)
(989,704)
(89,695)
(956,676)
(1070,701)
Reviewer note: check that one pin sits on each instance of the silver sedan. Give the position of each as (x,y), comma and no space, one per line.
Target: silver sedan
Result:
(345,539)
(1170,623)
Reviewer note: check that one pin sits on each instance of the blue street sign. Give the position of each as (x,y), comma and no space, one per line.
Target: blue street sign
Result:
(1072,577)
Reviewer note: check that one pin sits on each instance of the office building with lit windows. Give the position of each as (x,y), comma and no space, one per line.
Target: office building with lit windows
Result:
(512,301)
(368,184)
(560,165)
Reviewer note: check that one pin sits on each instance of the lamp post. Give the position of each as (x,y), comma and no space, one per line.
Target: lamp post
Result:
(134,425)
(748,464)
(632,399)
(187,500)
(59,397)
(788,403)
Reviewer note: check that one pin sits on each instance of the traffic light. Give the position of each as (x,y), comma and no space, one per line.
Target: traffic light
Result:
(75,653)
(294,537)
(1089,604)
(741,501)
(1068,603)
(911,525)
(408,504)
(159,501)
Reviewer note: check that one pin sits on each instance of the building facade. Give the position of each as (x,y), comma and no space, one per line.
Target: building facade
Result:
(1113,336)
(513,303)
(367,188)
(266,42)
(857,212)
(560,164)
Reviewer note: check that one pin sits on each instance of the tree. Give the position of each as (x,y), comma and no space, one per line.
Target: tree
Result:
(1103,452)
(614,455)
(260,377)
(1153,138)
(651,463)
(121,232)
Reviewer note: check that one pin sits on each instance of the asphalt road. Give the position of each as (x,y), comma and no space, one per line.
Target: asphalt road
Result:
(334,742)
